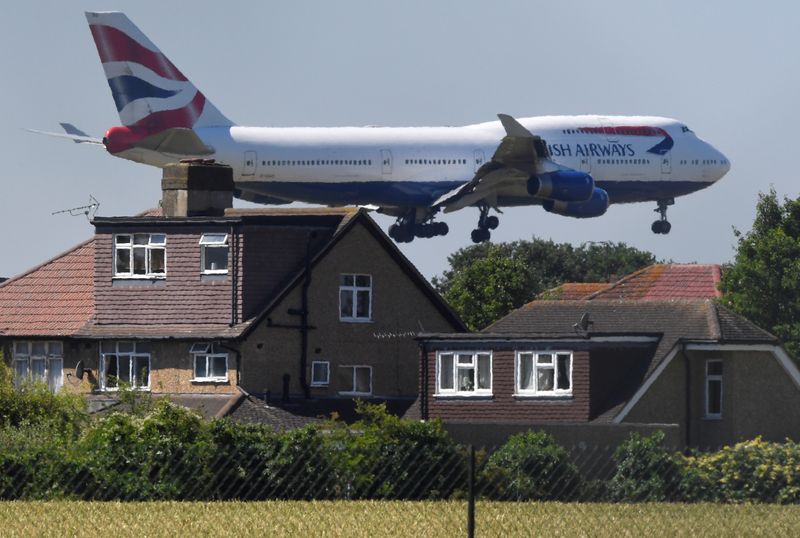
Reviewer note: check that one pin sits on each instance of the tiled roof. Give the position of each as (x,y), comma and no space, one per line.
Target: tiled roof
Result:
(572,291)
(664,282)
(53,299)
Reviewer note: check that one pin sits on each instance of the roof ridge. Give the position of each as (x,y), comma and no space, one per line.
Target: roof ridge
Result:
(47,262)
(623,280)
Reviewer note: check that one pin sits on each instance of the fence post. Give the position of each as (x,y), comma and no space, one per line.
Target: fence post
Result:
(471,494)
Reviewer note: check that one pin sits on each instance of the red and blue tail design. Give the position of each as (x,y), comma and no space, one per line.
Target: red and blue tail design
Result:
(151,94)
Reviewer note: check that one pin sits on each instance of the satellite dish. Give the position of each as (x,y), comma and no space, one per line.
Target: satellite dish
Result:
(79,370)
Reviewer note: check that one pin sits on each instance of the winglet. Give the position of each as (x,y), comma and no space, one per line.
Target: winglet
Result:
(513,127)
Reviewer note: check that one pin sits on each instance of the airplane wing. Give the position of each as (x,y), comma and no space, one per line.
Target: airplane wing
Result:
(519,155)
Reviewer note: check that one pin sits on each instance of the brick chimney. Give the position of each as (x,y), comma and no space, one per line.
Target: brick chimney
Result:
(196,189)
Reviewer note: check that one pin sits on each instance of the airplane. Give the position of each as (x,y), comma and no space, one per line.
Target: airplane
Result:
(570,165)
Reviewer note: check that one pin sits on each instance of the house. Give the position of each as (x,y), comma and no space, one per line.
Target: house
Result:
(654,350)
(225,309)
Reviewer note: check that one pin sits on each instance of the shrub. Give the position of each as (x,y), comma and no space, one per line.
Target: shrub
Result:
(163,455)
(34,403)
(750,471)
(384,456)
(531,466)
(646,471)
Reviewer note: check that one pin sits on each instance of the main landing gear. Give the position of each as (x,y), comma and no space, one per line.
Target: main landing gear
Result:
(662,225)
(406,228)
(486,222)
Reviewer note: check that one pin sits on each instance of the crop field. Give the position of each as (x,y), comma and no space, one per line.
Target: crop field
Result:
(391,518)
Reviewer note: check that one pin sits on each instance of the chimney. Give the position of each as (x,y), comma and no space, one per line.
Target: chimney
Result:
(196,189)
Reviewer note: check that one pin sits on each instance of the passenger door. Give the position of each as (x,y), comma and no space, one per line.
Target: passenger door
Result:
(249,165)
(386,162)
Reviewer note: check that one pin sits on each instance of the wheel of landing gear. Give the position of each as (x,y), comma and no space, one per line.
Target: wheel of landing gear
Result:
(393,231)
(665,227)
(656,227)
(479,235)
(492,222)
(442,228)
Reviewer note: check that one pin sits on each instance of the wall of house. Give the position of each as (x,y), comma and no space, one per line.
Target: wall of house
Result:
(758,398)
(503,405)
(184,296)
(269,257)
(170,363)
(665,401)
(398,307)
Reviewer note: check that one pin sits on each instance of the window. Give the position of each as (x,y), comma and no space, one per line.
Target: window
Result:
(464,373)
(125,364)
(544,374)
(355,380)
(714,389)
(214,253)
(140,255)
(355,297)
(209,363)
(320,373)
(39,361)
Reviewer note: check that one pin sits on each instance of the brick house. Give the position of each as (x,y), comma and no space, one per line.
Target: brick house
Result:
(651,351)
(216,306)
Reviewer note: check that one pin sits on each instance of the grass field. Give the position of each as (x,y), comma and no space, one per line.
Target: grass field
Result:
(378,519)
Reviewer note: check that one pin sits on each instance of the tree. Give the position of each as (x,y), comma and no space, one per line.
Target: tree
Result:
(488,280)
(763,282)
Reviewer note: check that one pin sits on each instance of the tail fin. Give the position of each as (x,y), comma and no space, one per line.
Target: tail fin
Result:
(149,91)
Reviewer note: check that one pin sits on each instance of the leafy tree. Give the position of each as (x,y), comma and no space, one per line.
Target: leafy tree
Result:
(488,280)
(763,282)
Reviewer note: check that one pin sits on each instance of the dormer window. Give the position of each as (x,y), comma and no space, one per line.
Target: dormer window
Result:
(214,254)
(141,255)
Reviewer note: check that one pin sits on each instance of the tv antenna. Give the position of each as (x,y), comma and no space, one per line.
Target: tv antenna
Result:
(88,210)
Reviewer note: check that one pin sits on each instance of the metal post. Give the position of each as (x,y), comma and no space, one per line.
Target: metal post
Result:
(471,494)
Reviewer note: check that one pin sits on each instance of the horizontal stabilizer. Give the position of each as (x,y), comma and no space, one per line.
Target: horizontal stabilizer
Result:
(176,141)
(78,139)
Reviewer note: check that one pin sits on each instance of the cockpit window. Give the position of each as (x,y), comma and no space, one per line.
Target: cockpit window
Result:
(685,129)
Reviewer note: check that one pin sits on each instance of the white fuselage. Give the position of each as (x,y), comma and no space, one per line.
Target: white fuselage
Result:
(634,158)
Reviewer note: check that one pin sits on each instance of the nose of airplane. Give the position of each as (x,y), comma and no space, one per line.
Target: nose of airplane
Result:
(719,163)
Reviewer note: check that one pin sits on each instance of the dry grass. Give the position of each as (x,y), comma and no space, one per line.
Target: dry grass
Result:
(418,519)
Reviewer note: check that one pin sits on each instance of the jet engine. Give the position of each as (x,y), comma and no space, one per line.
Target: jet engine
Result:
(562,185)
(593,207)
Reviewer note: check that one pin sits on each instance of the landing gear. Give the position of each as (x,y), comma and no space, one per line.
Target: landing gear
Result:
(406,228)
(485,223)
(662,226)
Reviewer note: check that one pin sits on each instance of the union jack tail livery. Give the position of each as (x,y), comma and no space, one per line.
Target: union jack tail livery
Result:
(150,93)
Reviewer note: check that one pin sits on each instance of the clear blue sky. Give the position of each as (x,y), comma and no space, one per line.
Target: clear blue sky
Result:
(729,70)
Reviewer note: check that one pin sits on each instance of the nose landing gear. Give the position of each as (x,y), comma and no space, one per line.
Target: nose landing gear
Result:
(662,226)
(486,223)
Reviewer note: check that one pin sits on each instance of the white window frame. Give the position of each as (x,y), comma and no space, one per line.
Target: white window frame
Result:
(709,379)
(132,355)
(208,241)
(209,352)
(473,365)
(149,247)
(535,366)
(327,379)
(53,359)
(354,368)
(354,289)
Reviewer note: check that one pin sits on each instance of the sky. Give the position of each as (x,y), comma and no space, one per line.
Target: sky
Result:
(730,71)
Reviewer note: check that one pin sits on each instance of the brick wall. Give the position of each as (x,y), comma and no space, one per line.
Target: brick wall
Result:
(184,296)
(503,406)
